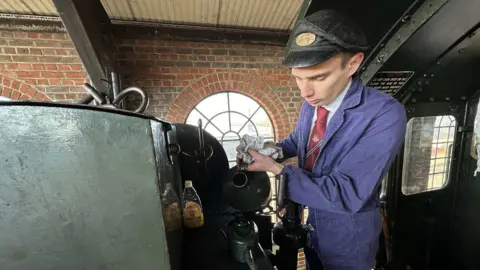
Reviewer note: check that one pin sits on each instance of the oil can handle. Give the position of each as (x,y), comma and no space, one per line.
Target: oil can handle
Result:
(281,190)
(249,258)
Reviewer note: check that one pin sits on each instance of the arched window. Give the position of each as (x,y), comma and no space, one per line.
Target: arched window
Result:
(228,116)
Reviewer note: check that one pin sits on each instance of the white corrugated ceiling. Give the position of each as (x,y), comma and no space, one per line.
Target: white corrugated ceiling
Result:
(256,14)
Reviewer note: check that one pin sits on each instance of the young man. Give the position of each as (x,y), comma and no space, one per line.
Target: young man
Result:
(346,138)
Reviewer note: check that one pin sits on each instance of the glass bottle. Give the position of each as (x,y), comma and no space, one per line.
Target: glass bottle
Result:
(192,207)
(172,214)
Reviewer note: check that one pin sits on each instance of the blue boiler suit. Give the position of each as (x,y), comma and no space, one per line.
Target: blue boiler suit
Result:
(342,191)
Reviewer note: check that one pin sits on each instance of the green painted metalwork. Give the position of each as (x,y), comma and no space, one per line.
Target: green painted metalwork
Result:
(79,190)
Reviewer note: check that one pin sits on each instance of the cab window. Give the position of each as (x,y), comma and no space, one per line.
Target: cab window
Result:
(428,153)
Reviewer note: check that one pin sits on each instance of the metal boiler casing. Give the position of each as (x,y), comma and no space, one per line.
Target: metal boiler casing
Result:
(80,188)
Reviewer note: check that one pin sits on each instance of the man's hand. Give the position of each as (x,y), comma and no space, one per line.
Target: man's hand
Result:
(264,163)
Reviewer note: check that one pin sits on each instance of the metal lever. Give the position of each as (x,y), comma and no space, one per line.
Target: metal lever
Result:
(200,138)
(288,233)
(281,192)
(201,154)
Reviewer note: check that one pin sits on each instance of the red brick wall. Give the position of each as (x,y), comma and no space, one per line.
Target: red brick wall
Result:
(168,71)
(46,62)
(176,75)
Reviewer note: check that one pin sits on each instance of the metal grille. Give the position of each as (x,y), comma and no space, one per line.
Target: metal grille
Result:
(390,82)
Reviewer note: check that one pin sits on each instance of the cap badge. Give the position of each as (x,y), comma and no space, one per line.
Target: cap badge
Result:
(305,39)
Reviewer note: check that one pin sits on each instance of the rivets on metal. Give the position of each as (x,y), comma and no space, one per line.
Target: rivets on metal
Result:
(406,18)
(431,99)
(447,99)
(380,58)
(410,110)
(453,108)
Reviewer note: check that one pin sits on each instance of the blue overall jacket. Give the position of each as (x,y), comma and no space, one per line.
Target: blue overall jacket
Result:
(342,191)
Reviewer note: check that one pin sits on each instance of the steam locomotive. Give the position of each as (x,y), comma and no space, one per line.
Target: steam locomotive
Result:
(82,185)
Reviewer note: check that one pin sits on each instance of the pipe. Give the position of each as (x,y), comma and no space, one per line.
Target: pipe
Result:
(129,90)
(116,88)
(85,100)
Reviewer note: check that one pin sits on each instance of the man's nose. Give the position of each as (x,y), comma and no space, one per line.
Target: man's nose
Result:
(306,89)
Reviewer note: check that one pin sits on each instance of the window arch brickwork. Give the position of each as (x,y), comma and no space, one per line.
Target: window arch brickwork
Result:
(228,116)
(235,82)
(18,90)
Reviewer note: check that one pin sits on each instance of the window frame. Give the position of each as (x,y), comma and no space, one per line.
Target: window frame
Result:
(229,112)
(450,147)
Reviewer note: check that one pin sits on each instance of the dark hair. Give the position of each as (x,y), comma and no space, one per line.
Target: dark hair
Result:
(346,56)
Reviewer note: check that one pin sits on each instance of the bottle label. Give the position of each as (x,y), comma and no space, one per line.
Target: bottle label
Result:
(172,217)
(192,215)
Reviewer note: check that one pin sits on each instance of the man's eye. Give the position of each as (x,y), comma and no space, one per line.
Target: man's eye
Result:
(320,79)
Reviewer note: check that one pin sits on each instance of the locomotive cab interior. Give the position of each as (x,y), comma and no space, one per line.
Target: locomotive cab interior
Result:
(83,183)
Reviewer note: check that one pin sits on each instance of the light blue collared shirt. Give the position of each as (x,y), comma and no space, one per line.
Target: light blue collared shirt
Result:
(332,106)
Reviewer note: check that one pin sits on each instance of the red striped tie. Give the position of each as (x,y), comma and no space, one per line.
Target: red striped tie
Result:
(316,138)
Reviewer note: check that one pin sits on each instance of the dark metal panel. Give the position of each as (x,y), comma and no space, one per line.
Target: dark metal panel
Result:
(90,29)
(432,53)
(375,16)
(437,35)
(453,76)
(78,190)
(466,220)
(421,233)
(410,23)
(169,173)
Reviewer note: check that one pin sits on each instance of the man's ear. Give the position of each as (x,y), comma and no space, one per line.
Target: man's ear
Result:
(354,63)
